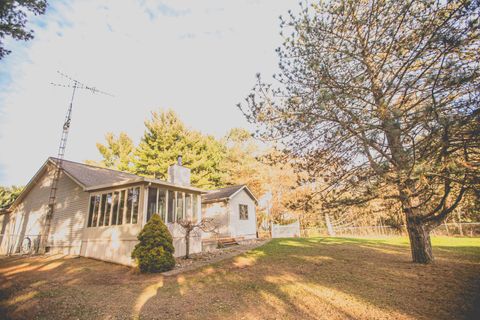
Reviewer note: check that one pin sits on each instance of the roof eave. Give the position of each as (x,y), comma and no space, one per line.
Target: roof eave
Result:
(115,184)
(248,191)
(145,180)
(28,186)
(215,200)
(173,185)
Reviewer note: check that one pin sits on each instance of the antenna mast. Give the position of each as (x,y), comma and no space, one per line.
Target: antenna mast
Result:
(74,85)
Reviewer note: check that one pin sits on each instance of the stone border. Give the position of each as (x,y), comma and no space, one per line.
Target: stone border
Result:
(223,254)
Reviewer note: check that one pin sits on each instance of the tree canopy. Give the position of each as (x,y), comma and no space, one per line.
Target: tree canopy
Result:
(117,153)
(165,138)
(13,20)
(381,96)
(8,195)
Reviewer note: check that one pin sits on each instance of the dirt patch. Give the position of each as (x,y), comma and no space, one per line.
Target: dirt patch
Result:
(314,278)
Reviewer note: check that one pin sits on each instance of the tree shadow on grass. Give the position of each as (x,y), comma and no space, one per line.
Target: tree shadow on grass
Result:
(316,278)
(330,278)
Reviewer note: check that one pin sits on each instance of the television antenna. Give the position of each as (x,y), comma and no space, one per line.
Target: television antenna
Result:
(75,85)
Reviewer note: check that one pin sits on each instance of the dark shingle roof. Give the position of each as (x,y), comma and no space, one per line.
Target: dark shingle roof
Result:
(91,176)
(223,193)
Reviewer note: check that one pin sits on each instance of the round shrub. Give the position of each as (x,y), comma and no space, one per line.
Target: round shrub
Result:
(154,252)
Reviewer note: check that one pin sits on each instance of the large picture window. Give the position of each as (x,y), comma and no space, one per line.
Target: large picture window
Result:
(243,210)
(114,208)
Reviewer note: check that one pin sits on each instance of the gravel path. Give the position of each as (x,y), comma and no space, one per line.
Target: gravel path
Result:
(202,259)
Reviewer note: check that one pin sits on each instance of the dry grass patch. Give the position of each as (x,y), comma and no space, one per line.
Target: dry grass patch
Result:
(313,278)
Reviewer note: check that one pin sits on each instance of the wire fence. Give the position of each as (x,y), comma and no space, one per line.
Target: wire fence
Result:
(446,229)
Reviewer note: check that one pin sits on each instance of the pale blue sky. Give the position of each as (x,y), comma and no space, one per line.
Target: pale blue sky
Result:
(196,57)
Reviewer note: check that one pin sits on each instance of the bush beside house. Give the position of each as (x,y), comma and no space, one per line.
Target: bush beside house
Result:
(154,252)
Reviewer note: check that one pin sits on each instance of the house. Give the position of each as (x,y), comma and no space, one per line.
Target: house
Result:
(99,212)
(234,211)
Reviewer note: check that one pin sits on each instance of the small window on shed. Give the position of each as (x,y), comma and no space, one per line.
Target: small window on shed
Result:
(243,210)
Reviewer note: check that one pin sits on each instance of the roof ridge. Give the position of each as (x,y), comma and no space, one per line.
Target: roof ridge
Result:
(93,166)
(237,185)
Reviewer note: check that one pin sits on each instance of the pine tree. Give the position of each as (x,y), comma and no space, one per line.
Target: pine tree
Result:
(165,138)
(154,252)
(117,153)
(8,195)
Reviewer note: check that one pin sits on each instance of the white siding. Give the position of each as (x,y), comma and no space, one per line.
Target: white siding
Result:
(28,217)
(246,229)
(218,211)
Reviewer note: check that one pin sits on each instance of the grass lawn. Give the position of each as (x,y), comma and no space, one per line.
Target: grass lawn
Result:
(312,278)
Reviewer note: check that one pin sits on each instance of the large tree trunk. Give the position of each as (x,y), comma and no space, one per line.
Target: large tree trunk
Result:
(420,243)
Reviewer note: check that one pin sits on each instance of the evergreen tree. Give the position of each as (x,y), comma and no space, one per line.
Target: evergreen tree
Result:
(13,19)
(8,195)
(154,252)
(117,153)
(165,138)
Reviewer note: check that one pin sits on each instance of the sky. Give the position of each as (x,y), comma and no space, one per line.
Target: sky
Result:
(196,57)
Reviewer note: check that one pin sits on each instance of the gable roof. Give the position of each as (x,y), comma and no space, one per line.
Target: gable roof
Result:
(226,193)
(91,178)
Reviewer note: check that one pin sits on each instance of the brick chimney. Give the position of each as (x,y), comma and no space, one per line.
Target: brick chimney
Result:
(178,174)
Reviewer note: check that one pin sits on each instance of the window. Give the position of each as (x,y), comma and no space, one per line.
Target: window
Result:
(195,205)
(129,206)
(188,206)
(108,209)
(95,210)
(90,213)
(115,208)
(136,200)
(243,209)
(152,202)
(180,207)
(162,204)
(102,210)
(132,205)
(171,206)
(121,207)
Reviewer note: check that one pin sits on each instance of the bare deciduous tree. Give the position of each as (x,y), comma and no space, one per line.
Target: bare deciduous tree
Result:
(193,227)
